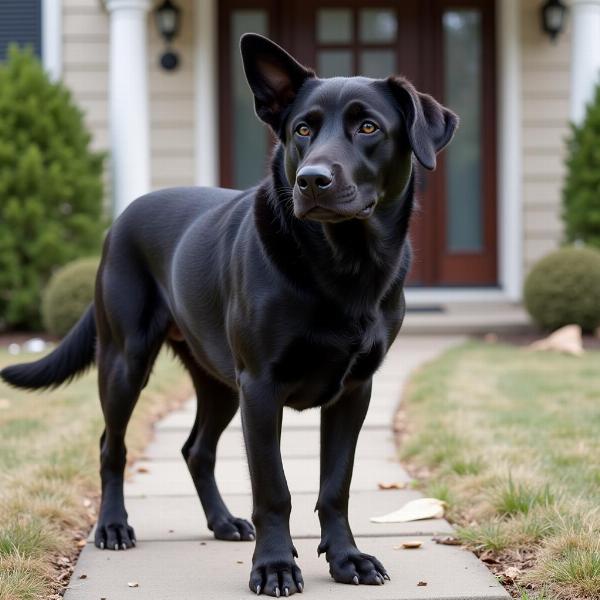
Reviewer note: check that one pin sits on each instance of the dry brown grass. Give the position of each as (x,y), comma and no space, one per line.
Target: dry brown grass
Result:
(49,473)
(511,440)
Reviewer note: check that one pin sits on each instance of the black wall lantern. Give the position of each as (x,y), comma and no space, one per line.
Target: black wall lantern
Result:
(168,21)
(553,14)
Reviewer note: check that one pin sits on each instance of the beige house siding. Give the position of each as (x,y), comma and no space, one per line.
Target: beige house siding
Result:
(85,72)
(172,107)
(545,116)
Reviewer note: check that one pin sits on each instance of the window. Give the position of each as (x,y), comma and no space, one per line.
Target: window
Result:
(20,23)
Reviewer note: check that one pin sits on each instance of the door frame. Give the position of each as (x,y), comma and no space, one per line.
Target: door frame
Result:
(483,265)
(509,167)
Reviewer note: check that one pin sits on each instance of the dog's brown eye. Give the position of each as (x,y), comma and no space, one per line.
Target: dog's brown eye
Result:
(368,127)
(303,130)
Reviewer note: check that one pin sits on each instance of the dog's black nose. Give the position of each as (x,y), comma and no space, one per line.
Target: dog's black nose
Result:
(314,178)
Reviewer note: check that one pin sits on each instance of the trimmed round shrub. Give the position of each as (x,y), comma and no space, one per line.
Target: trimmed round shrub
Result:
(564,289)
(51,189)
(68,294)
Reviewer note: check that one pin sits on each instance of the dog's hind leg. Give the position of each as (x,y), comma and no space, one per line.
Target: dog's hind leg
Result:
(131,329)
(217,405)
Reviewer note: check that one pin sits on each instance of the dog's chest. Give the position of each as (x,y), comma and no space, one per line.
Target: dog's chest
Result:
(318,368)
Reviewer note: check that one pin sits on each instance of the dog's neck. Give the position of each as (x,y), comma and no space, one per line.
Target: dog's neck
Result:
(355,261)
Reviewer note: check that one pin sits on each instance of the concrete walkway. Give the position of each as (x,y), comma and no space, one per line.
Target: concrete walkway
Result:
(178,559)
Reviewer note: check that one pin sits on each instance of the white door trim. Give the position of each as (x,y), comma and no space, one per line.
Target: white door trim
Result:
(206,90)
(509,168)
(52,38)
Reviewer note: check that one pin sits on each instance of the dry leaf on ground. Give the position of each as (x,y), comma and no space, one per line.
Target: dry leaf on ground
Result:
(512,573)
(409,545)
(392,485)
(447,540)
(566,340)
(415,510)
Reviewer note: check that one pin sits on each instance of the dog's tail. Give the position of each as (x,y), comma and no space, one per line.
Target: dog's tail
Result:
(74,354)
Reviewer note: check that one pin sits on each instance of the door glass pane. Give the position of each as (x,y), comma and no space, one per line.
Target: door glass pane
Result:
(377,63)
(334,63)
(377,25)
(249,134)
(462,93)
(334,25)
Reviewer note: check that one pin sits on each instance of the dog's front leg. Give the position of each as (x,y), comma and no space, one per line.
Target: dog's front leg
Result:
(340,426)
(274,570)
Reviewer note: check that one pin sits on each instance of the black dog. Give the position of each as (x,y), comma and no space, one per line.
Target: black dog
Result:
(288,294)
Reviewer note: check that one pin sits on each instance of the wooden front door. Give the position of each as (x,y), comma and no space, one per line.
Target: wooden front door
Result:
(447,48)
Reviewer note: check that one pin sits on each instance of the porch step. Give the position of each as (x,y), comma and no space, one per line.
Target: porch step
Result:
(466,318)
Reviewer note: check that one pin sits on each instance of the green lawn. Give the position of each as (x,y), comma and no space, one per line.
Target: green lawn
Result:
(511,440)
(49,481)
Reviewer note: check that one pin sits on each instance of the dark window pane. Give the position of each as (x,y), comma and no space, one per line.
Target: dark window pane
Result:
(377,25)
(334,63)
(377,63)
(20,23)
(334,25)
(462,93)
(249,134)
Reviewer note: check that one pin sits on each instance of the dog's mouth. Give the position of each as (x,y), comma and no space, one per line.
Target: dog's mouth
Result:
(328,215)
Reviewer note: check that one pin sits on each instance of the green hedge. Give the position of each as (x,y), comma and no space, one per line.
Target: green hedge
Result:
(581,193)
(50,187)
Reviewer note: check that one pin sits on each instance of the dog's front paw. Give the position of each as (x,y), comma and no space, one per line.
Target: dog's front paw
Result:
(114,533)
(276,577)
(353,566)
(233,529)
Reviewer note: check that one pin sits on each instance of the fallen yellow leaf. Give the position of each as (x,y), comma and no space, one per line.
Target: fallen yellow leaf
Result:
(415,510)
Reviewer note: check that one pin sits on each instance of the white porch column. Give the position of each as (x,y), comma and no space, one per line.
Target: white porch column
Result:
(128,101)
(585,55)
(52,38)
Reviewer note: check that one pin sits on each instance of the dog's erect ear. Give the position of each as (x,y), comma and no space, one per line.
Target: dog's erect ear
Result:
(429,125)
(273,75)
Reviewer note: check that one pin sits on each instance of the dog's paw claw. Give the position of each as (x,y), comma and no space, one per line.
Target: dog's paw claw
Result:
(276,578)
(115,535)
(354,567)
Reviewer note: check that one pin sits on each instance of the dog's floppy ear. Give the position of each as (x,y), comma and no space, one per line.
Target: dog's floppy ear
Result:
(429,125)
(273,75)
